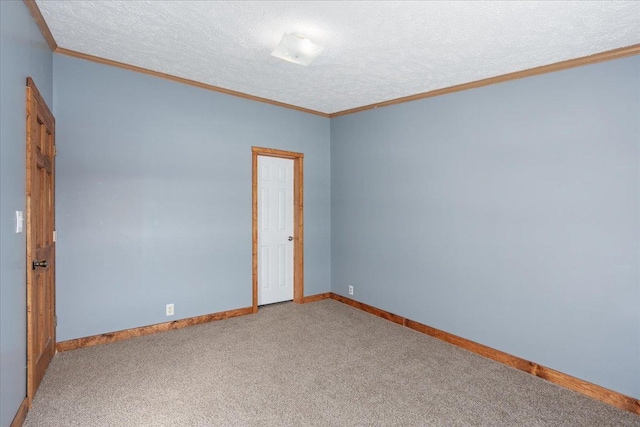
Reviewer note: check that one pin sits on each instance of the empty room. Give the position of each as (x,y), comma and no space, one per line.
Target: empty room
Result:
(345,213)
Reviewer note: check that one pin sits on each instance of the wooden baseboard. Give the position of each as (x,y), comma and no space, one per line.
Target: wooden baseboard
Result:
(162,327)
(586,388)
(316,297)
(594,391)
(21,415)
(151,329)
(369,309)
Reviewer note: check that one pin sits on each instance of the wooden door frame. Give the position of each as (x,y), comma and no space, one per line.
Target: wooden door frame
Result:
(34,98)
(298,219)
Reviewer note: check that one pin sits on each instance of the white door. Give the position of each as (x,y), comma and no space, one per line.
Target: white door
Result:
(275,230)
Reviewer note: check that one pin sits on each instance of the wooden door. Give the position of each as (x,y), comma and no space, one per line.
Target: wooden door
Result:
(275,230)
(298,219)
(41,323)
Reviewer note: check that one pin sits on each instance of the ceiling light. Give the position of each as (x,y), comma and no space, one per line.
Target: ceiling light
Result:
(297,48)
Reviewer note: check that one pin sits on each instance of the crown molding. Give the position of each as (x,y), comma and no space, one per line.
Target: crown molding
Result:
(544,69)
(42,24)
(104,61)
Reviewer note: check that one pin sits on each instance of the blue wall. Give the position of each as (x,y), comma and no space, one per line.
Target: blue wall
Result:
(508,215)
(154,197)
(23,53)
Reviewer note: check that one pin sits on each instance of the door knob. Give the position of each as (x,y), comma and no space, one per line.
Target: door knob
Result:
(37,264)
(290,238)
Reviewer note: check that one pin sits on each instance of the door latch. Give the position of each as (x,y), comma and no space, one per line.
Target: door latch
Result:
(42,264)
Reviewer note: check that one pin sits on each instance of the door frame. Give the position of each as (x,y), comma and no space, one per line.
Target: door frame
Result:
(298,219)
(33,98)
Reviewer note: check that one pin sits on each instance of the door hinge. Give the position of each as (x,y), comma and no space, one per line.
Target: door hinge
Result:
(55,319)
(55,150)
(55,235)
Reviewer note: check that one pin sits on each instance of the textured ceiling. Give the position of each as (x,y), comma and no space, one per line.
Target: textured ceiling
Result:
(374,51)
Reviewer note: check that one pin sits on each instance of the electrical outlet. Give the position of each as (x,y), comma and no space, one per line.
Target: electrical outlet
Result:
(169,309)
(350,290)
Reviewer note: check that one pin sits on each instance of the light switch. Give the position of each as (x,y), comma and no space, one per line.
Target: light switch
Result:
(19,221)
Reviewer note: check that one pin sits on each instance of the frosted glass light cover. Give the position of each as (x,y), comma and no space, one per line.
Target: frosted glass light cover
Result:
(297,48)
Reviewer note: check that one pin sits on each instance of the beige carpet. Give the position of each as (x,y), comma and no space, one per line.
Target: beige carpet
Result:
(318,364)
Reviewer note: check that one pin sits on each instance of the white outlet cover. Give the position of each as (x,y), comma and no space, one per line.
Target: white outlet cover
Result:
(19,221)
(169,310)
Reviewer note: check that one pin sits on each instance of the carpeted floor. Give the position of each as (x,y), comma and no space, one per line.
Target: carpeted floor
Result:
(318,364)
